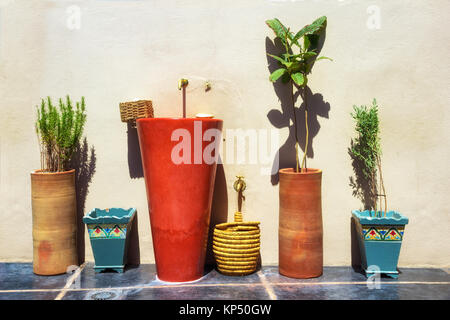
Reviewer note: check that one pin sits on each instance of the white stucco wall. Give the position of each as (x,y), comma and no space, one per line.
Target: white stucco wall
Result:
(139,49)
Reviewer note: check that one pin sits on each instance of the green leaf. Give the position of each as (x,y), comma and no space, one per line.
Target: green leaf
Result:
(298,78)
(277,74)
(277,58)
(309,54)
(306,43)
(280,30)
(312,28)
(323,57)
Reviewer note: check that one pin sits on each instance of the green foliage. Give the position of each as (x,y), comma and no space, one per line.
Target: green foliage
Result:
(366,154)
(59,131)
(366,147)
(295,67)
(299,65)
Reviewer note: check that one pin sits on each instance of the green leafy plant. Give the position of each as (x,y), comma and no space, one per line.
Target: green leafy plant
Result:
(366,151)
(295,66)
(59,131)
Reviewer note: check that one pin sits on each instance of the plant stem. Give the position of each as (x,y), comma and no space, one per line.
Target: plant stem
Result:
(374,192)
(295,128)
(382,186)
(307,129)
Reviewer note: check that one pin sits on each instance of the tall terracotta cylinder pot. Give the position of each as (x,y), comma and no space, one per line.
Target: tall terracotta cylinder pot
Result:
(179,161)
(53,200)
(300,224)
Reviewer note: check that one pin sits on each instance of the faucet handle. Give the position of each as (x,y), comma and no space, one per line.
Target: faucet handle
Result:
(239,185)
(182,83)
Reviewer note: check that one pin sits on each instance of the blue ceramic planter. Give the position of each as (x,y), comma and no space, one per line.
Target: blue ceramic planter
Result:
(380,240)
(109,233)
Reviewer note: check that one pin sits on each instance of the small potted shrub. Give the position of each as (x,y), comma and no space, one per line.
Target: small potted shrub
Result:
(379,230)
(300,221)
(109,231)
(53,194)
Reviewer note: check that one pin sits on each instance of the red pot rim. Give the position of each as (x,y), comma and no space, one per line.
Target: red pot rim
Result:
(291,171)
(178,119)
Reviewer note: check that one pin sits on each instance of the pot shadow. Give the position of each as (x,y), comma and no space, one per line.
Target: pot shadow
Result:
(134,153)
(84,162)
(317,107)
(219,214)
(355,249)
(134,253)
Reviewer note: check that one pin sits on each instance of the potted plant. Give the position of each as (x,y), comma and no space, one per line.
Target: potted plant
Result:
(179,158)
(109,232)
(53,194)
(300,220)
(379,231)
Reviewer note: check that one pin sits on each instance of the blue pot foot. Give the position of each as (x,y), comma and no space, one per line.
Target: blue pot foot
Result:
(102,269)
(381,274)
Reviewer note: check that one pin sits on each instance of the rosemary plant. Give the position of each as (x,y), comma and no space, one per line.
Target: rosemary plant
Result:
(59,130)
(367,151)
(295,66)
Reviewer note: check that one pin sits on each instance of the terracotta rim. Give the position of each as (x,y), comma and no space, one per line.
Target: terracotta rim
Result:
(291,171)
(40,171)
(177,119)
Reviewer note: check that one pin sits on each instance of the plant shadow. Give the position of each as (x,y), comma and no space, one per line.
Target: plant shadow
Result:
(362,187)
(134,153)
(84,162)
(317,107)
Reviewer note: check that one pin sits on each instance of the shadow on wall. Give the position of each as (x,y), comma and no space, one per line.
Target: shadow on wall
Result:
(362,186)
(219,213)
(317,107)
(84,163)
(355,251)
(362,189)
(134,153)
(134,255)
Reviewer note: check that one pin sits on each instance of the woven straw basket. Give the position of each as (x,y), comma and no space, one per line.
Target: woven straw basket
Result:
(130,111)
(236,246)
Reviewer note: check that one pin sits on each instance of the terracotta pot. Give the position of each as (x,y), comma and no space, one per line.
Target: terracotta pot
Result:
(300,224)
(179,195)
(53,200)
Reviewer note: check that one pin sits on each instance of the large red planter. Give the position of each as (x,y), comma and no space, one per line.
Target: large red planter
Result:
(179,176)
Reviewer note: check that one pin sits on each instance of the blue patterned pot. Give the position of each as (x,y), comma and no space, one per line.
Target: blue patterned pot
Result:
(109,233)
(380,240)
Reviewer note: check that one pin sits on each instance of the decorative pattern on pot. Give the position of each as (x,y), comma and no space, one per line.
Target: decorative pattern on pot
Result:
(117,231)
(380,239)
(109,231)
(377,233)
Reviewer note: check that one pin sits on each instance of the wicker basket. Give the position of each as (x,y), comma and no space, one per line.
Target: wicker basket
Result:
(236,246)
(130,111)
